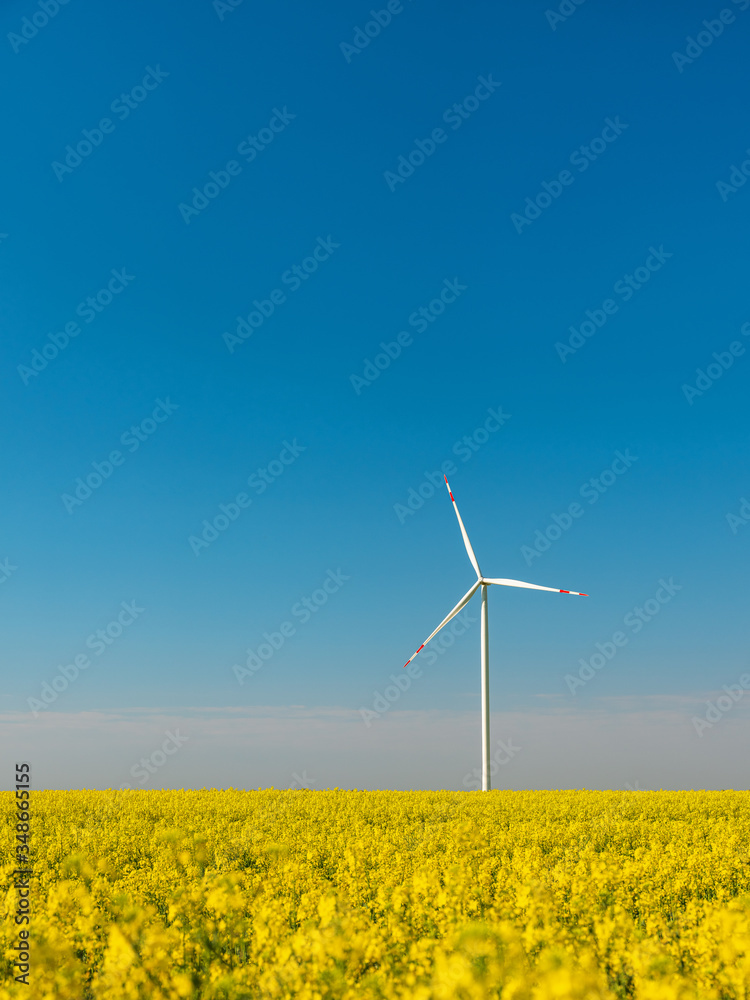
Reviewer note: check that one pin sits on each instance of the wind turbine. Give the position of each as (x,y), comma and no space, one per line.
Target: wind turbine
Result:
(483,582)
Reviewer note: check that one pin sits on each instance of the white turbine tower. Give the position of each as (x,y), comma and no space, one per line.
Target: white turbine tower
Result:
(483,582)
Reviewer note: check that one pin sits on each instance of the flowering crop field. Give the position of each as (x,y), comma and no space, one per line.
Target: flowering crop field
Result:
(351,894)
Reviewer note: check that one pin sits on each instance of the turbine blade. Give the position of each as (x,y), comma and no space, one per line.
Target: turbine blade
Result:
(532,586)
(464,600)
(467,543)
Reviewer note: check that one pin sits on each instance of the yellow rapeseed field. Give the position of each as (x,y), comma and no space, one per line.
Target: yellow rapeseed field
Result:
(344,894)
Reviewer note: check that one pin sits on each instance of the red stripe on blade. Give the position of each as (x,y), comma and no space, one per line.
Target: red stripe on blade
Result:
(564,591)
(409,661)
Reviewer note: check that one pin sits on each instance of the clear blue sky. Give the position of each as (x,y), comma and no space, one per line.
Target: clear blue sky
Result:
(332,125)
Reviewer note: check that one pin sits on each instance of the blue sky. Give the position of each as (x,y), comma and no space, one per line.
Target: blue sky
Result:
(342,450)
